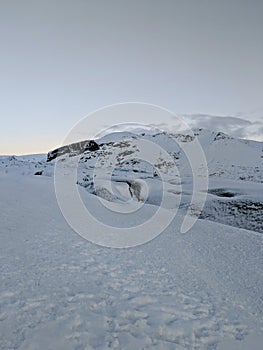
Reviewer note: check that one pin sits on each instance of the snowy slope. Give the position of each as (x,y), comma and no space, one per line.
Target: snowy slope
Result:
(226,157)
(200,290)
(235,167)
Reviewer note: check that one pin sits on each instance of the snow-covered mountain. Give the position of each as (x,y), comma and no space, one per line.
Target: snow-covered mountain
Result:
(200,290)
(235,169)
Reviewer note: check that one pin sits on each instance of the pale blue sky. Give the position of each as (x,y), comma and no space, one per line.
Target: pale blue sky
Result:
(61,59)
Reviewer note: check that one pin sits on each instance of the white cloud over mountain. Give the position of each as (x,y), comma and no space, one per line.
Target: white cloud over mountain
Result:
(239,127)
(244,126)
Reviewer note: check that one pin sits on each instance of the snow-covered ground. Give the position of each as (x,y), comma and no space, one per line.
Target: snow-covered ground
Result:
(199,290)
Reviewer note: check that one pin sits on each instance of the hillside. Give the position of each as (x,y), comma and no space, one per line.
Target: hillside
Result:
(180,291)
(235,168)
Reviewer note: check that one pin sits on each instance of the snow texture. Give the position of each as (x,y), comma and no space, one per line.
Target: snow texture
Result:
(199,290)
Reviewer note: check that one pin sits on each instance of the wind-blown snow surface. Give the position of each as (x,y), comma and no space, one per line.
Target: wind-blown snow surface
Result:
(59,291)
(199,290)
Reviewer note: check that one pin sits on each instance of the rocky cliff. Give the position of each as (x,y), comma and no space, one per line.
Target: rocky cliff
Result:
(73,149)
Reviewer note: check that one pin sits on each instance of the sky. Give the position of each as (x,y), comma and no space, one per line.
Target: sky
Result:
(62,59)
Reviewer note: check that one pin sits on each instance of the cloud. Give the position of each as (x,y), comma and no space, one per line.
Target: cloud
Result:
(241,126)
(233,126)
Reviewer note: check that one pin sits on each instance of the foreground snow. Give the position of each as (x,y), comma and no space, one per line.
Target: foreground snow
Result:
(201,290)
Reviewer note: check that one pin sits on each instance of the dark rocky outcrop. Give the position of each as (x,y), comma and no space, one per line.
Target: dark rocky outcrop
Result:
(73,149)
(221,136)
(244,213)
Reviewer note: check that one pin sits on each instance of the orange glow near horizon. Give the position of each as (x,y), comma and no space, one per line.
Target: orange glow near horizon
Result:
(28,147)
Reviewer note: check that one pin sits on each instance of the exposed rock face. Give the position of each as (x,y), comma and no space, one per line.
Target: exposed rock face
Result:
(246,214)
(73,149)
(221,136)
(39,172)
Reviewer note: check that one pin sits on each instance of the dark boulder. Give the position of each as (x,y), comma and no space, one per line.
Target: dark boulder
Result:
(221,136)
(73,149)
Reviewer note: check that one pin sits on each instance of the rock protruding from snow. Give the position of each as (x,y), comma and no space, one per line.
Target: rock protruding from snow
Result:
(73,149)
